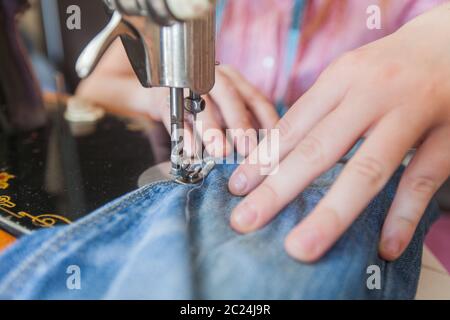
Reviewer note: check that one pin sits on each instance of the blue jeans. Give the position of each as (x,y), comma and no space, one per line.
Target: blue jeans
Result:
(168,241)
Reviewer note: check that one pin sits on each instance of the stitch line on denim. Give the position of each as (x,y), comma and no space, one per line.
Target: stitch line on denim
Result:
(64,235)
(395,271)
(136,249)
(120,277)
(194,279)
(67,249)
(58,248)
(119,217)
(187,213)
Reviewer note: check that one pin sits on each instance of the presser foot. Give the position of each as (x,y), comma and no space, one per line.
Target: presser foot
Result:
(194,173)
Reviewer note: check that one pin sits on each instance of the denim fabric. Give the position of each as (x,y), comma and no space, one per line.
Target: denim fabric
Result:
(168,241)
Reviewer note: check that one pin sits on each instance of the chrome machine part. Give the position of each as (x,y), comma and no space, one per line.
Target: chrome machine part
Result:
(170,43)
(194,103)
(177,128)
(95,50)
(164,12)
(196,172)
(185,171)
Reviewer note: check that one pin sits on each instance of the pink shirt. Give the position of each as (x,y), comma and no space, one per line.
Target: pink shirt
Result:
(253,39)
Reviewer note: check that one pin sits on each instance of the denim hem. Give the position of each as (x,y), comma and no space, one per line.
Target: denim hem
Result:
(98,219)
(168,241)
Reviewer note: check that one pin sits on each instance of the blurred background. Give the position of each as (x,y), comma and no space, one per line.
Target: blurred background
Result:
(51,43)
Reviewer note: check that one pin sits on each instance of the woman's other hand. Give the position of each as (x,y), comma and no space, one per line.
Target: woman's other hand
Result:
(396,93)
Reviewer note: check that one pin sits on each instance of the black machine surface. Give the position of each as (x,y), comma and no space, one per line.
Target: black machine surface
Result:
(51,176)
(49,173)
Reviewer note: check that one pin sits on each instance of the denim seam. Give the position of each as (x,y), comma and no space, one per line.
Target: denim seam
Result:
(137,248)
(63,236)
(187,212)
(54,248)
(194,282)
(140,210)
(67,236)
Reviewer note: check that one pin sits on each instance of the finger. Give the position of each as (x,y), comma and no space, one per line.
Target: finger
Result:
(215,112)
(211,131)
(329,141)
(187,133)
(236,116)
(363,177)
(313,106)
(428,170)
(261,107)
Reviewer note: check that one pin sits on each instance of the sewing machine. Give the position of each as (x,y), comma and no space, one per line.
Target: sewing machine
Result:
(170,43)
(56,161)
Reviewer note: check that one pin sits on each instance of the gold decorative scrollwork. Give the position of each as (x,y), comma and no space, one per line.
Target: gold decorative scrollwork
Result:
(4,178)
(42,221)
(6,202)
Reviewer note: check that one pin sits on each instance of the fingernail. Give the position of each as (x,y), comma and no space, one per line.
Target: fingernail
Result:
(244,217)
(391,247)
(304,246)
(239,182)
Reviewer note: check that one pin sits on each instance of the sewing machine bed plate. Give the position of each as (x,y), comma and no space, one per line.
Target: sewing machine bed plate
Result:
(50,177)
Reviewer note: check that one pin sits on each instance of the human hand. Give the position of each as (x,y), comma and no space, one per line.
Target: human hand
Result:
(396,93)
(233,103)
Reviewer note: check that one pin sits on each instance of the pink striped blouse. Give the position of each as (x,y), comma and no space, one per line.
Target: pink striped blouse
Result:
(253,38)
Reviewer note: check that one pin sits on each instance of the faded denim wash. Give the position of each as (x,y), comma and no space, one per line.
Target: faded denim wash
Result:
(167,241)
